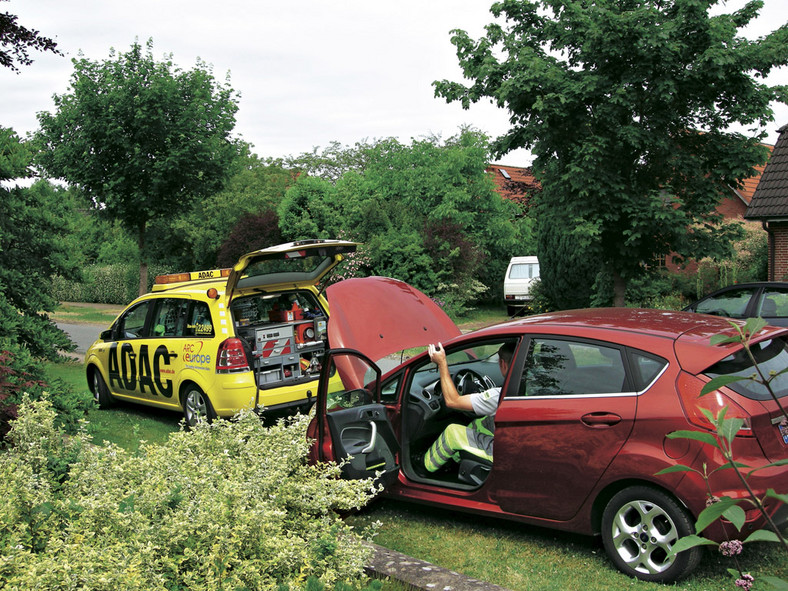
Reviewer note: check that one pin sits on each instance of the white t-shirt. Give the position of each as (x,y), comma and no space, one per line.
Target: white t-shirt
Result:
(485,403)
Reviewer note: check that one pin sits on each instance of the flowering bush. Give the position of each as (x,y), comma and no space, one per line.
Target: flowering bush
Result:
(230,505)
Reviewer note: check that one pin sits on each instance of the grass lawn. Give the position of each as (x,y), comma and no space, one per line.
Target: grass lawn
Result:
(517,556)
(78,313)
(125,424)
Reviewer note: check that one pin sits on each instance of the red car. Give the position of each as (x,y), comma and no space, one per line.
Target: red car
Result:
(580,428)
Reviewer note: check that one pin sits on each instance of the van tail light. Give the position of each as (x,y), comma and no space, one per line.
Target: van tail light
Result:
(231,357)
(689,388)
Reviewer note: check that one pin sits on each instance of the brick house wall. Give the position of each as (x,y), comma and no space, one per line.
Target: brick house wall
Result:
(778,251)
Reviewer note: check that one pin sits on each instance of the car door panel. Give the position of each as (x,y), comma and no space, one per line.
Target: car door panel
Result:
(549,453)
(354,425)
(555,438)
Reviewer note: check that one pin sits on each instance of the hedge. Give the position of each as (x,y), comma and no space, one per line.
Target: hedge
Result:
(105,284)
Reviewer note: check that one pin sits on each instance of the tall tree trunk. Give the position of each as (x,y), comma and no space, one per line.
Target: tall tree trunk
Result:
(143,260)
(619,289)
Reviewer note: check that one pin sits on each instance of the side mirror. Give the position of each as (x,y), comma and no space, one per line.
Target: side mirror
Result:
(106,335)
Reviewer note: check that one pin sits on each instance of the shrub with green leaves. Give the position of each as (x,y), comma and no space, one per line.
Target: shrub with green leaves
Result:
(105,284)
(21,374)
(230,505)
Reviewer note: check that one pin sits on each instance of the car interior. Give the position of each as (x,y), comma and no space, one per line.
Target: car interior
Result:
(425,415)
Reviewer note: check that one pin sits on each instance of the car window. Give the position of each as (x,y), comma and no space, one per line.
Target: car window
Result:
(646,369)
(771,355)
(773,304)
(388,391)
(199,322)
(479,358)
(169,318)
(132,324)
(556,367)
(732,303)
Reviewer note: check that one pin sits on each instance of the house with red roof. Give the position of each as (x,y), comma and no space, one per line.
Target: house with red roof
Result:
(519,185)
(769,206)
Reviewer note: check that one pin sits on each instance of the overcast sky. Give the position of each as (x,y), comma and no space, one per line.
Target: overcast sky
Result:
(309,72)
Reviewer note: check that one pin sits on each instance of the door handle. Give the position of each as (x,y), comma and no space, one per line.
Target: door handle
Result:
(600,419)
(373,437)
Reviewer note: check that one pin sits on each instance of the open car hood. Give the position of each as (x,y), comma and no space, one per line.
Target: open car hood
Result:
(380,316)
(293,263)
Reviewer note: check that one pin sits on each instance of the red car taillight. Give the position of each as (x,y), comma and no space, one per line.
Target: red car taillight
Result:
(689,388)
(231,357)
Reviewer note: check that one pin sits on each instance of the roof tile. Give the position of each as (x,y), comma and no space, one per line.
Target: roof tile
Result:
(770,199)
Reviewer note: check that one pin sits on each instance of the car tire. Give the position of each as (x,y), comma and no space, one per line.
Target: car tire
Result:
(196,406)
(639,526)
(100,391)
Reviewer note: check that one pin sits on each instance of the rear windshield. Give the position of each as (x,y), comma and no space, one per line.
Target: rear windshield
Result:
(771,355)
(524,271)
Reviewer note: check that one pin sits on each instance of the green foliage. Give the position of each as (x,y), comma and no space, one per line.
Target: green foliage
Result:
(427,213)
(158,137)
(748,263)
(21,375)
(192,237)
(105,284)
(33,222)
(625,106)
(230,505)
(566,276)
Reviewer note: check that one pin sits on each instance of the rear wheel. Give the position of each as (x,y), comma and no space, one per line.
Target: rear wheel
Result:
(639,527)
(100,391)
(196,406)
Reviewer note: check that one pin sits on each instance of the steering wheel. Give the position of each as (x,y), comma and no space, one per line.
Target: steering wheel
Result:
(469,381)
(430,399)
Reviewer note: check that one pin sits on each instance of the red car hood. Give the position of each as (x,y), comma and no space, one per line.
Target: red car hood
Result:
(379,316)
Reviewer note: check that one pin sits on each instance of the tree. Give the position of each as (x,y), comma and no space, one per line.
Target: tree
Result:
(141,138)
(34,226)
(15,40)
(193,237)
(252,232)
(625,105)
(427,213)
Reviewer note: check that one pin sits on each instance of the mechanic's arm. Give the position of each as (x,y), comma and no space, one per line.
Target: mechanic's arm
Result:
(451,397)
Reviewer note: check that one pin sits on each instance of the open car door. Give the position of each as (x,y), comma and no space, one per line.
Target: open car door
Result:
(352,423)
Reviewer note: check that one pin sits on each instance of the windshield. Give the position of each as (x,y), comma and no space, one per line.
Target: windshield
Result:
(771,356)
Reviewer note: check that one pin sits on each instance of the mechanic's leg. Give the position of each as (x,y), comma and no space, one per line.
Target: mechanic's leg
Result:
(456,438)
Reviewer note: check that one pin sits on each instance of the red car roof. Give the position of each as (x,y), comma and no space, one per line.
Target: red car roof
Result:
(690,332)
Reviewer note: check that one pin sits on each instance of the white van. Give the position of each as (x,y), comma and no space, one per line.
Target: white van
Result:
(520,274)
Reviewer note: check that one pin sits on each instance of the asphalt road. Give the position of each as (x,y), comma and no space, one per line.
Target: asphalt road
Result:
(82,334)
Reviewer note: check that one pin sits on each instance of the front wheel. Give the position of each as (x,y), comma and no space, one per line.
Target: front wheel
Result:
(100,391)
(639,527)
(196,407)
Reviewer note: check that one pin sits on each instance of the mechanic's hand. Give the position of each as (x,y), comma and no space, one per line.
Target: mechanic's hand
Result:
(437,354)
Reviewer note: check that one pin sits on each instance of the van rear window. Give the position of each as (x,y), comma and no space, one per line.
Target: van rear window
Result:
(771,356)
(524,271)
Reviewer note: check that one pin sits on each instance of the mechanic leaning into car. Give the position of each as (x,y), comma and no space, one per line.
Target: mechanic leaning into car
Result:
(477,437)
